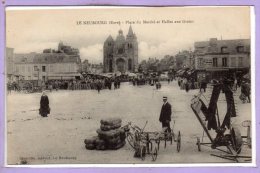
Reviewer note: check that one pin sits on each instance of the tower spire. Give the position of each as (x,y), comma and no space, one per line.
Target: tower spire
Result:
(130,31)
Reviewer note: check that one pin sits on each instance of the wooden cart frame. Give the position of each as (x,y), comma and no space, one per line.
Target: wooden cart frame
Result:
(148,143)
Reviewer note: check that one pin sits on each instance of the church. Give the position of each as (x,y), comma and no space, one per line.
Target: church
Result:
(121,54)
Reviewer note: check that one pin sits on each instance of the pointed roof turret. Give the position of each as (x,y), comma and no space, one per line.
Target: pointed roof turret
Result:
(130,31)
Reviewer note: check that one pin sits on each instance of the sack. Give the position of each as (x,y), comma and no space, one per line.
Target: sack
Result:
(108,134)
(90,146)
(91,140)
(100,144)
(116,146)
(111,121)
(101,147)
(110,127)
(115,140)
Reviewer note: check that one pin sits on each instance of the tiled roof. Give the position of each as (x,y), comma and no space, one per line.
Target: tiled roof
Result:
(46,58)
(215,46)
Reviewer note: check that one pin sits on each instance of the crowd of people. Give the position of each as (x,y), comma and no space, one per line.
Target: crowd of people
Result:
(100,82)
(190,83)
(88,83)
(234,83)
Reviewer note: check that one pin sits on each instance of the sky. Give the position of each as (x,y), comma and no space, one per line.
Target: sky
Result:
(168,31)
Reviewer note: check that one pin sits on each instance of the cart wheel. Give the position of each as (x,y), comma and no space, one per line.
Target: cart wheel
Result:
(149,147)
(179,141)
(158,144)
(154,154)
(142,152)
(198,144)
(236,139)
(130,140)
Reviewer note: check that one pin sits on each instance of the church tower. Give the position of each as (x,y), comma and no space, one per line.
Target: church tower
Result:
(132,50)
(121,54)
(108,58)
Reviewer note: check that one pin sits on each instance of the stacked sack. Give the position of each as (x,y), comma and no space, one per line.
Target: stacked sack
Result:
(110,135)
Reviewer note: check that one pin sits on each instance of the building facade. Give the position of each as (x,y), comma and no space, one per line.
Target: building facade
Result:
(218,58)
(9,61)
(49,65)
(121,54)
(184,59)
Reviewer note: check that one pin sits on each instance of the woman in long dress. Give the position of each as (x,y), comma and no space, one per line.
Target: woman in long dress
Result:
(44,105)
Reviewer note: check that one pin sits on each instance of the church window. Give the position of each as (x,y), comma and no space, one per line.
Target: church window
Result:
(120,50)
(130,45)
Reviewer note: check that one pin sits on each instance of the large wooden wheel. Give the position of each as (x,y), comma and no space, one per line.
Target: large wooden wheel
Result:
(236,139)
(154,154)
(130,140)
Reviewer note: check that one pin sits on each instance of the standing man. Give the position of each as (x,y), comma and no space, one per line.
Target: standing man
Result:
(165,116)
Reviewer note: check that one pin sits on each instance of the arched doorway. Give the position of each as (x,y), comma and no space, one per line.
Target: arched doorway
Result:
(120,63)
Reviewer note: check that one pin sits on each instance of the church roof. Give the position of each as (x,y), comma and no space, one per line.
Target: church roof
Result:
(120,37)
(109,39)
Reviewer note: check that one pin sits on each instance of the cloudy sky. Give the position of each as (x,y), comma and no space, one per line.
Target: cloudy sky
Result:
(32,30)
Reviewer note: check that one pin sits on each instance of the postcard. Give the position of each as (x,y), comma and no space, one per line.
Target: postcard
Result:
(129,85)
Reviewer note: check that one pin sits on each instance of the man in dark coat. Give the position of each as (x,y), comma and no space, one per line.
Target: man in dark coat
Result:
(44,105)
(165,116)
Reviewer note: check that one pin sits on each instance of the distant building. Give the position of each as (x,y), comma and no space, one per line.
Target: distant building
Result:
(218,58)
(49,65)
(121,54)
(166,63)
(96,68)
(10,66)
(184,59)
(9,59)
(85,66)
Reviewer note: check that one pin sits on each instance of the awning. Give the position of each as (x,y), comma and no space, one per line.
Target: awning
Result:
(61,77)
(217,69)
(64,74)
(191,71)
(132,75)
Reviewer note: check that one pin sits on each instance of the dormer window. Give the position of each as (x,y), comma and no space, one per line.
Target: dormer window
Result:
(224,49)
(240,49)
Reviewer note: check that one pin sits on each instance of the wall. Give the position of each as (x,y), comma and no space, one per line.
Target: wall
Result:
(30,71)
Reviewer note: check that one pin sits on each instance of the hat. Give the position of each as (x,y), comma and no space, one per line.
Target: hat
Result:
(164,97)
